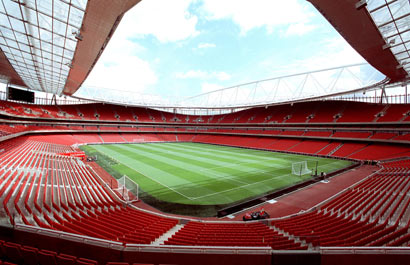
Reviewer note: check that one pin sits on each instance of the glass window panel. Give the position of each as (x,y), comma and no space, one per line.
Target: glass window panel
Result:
(58,40)
(46,60)
(45,35)
(17,25)
(45,46)
(68,54)
(47,55)
(71,32)
(59,27)
(57,65)
(7,33)
(24,47)
(372,4)
(58,50)
(18,59)
(12,8)
(27,55)
(56,58)
(388,30)
(76,17)
(401,56)
(405,35)
(398,49)
(45,6)
(37,52)
(45,21)
(405,61)
(2,41)
(61,10)
(15,52)
(70,44)
(399,8)
(21,38)
(31,4)
(35,43)
(30,15)
(12,44)
(403,23)
(66,62)
(82,4)
(4,21)
(381,16)
(5,48)
(34,31)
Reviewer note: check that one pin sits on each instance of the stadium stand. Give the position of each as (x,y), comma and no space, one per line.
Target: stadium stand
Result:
(41,187)
(307,112)
(372,213)
(253,234)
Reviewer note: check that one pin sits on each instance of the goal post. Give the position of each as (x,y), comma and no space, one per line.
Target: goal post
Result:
(127,189)
(300,168)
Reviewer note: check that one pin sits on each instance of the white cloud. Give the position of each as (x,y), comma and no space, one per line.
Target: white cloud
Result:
(299,29)
(206,45)
(333,52)
(258,13)
(120,68)
(209,87)
(221,76)
(168,21)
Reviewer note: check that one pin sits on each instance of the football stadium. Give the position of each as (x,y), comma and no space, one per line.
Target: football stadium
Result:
(311,166)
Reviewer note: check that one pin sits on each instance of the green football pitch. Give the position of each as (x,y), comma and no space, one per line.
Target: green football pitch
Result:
(204,174)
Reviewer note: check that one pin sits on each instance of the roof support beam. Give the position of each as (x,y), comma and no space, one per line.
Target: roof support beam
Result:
(351,23)
(101,19)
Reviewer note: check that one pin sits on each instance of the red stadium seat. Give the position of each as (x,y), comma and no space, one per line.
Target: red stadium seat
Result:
(29,255)
(83,261)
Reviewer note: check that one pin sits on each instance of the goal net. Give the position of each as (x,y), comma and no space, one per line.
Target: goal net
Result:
(300,168)
(127,189)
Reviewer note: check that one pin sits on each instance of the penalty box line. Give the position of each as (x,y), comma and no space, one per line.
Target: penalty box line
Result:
(262,171)
(246,185)
(166,186)
(235,188)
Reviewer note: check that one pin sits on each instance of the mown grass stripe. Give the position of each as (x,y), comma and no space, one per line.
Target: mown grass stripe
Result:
(185,171)
(234,168)
(208,174)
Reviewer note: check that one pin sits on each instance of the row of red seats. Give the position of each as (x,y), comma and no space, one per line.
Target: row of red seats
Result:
(40,187)
(231,234)
(23,254)
(311,112)
(14,253)
(120,224)
(372,213)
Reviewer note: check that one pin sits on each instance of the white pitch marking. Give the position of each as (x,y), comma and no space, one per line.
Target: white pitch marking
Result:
(183,195)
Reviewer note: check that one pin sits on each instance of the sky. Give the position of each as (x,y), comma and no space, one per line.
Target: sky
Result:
(184,48)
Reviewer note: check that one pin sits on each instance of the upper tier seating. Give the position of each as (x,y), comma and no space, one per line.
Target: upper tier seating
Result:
(395,112)
(360,112)
(306,112)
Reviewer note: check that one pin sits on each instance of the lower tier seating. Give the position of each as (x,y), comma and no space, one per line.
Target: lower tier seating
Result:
(233,234)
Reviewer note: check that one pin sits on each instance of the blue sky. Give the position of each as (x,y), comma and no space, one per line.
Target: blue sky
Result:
(183,48)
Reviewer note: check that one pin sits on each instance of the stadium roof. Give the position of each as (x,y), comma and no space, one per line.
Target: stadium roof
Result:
(377,29)
(52,45)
